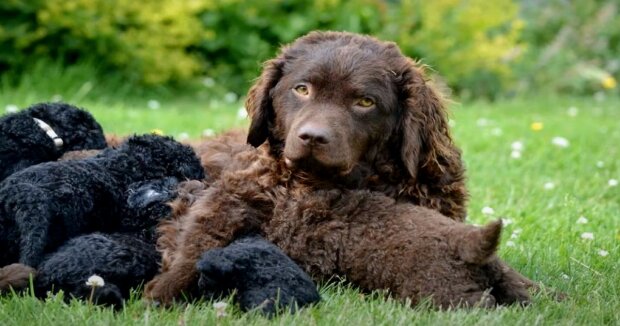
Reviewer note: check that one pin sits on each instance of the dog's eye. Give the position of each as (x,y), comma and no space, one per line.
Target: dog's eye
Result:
(302,90)
(365,102)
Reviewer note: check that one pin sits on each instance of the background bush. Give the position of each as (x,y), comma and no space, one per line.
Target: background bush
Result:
(478,47)
(573,46)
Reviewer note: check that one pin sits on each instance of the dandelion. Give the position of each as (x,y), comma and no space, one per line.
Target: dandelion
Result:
(488,210)
(153,104)
(220,309)
(587,236)
(94,281)
(510,244)
(157,132)
(208,133)
(515,154)
(517,146)
(230,97)
(242,113)
(560,142)
(537,126)
(549,185)
(612,182)
(11,108)
(600,164)
(603,253)
(609,82)
(572,111)
(582,220)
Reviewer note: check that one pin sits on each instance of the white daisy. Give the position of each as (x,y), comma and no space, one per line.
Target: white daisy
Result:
(230,97)
(572,111)
(603,253)
(153,104)
(517,145)
(11,108)
(488,210)
(560,142)
(208,133)
(612,182)
(183,136)
(242,113)
(582,220)
(208,82)
(587,236)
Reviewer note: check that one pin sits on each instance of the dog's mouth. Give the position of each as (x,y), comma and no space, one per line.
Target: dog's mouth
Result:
(311,165)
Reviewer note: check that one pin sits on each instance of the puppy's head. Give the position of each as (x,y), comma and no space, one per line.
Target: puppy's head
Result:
(331,100)
(163,156)
(76,127)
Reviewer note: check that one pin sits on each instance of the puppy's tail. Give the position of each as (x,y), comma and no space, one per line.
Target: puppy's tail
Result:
(16,277)
(477,245)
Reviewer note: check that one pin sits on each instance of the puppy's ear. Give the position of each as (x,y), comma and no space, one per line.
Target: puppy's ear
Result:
(426,141)
(259,104)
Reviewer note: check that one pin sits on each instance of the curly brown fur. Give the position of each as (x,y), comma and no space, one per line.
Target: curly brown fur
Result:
(16,277)
(399,148)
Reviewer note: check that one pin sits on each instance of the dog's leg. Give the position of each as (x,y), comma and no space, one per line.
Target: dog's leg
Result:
(33,226)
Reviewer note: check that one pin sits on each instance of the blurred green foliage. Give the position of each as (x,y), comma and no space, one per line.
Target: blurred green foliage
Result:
(477,47)
(573,46)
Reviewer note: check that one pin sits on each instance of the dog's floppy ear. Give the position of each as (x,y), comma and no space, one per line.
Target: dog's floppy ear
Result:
(426,141)
(259,104)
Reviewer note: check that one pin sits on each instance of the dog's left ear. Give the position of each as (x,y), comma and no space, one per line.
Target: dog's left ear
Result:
(259,101)
(426,142)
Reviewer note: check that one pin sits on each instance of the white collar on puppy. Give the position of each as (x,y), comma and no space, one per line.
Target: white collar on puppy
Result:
(50,133)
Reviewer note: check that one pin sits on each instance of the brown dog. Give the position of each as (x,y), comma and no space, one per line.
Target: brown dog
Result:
(342,112)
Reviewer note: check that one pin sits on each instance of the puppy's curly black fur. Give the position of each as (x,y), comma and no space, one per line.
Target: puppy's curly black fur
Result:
(23,143)
(123,260)
(47,204)
(261,275)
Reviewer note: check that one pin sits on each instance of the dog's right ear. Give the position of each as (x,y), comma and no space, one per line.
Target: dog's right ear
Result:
(259,101)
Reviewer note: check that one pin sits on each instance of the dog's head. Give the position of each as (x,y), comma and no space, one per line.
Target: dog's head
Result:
(331,100)
(164,157)
(76,127)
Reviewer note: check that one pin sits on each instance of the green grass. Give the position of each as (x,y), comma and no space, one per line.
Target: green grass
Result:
(546,238)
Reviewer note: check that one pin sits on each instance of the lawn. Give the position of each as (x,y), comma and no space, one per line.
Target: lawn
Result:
(546,165)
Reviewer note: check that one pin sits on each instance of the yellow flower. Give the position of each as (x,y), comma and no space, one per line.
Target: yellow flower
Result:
(537,126)
(157,132)
(609,82)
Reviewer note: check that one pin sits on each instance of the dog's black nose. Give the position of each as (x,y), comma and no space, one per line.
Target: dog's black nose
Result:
(311,134)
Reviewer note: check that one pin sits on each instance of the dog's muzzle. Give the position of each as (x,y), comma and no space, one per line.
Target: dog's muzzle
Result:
(50,133)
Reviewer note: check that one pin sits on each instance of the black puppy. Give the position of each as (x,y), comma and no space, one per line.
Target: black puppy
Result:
(146,205)
(262,276)
(43,132)
(46,204)
(124,260)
